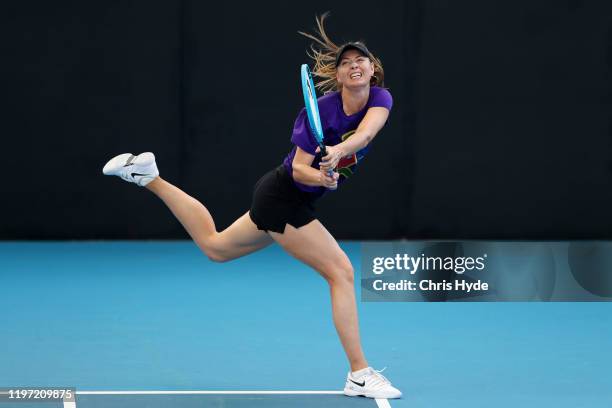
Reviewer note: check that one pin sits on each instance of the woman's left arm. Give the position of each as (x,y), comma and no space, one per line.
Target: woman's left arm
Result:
(370,125)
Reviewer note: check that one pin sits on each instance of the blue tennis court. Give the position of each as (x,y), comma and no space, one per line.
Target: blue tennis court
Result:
(159,316)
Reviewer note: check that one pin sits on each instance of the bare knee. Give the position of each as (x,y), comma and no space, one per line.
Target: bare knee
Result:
(339,273)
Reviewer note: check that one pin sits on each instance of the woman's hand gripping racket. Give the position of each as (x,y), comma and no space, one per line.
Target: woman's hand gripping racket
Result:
(312,110)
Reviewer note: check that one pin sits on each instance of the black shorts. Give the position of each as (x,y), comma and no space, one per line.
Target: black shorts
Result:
(277,202)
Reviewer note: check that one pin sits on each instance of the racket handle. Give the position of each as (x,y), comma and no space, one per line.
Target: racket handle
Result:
(330,173)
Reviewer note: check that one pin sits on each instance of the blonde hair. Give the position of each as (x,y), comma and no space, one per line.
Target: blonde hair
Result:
(323,53)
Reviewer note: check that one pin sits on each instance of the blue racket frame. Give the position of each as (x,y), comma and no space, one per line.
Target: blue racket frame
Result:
(312,108)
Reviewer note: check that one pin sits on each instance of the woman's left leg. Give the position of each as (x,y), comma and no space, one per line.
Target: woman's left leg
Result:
(239,239)
(315,246)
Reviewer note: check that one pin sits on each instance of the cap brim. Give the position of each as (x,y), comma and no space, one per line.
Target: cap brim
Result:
(351,46)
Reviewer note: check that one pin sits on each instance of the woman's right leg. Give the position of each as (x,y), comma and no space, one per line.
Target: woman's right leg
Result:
(239,239)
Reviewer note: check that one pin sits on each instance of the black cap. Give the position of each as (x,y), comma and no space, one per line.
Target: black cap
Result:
(359,46)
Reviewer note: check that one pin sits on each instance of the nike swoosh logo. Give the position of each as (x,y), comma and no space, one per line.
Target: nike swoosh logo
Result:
(138,174)
(359,384)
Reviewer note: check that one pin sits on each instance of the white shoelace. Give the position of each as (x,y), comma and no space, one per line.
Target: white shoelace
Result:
(376,380)
(124,173)
(126,176)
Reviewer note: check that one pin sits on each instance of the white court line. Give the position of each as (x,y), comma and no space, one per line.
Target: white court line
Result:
(382,403)
(202,392)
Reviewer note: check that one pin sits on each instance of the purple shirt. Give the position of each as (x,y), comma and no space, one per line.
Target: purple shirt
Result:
(337,127)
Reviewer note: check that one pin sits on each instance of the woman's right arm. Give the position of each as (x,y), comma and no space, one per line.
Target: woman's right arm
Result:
(305,174)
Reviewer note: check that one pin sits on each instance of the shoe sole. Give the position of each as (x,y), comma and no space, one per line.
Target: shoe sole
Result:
(353,393)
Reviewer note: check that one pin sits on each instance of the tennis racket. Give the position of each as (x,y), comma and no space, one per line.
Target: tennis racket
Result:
(312,110)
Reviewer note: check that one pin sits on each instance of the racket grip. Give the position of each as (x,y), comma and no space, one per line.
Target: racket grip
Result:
(330,173)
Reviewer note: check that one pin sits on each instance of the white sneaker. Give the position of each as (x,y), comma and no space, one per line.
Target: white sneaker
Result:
(139,169)
(370,383)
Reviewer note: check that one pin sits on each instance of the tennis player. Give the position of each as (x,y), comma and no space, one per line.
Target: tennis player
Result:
(353,111)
